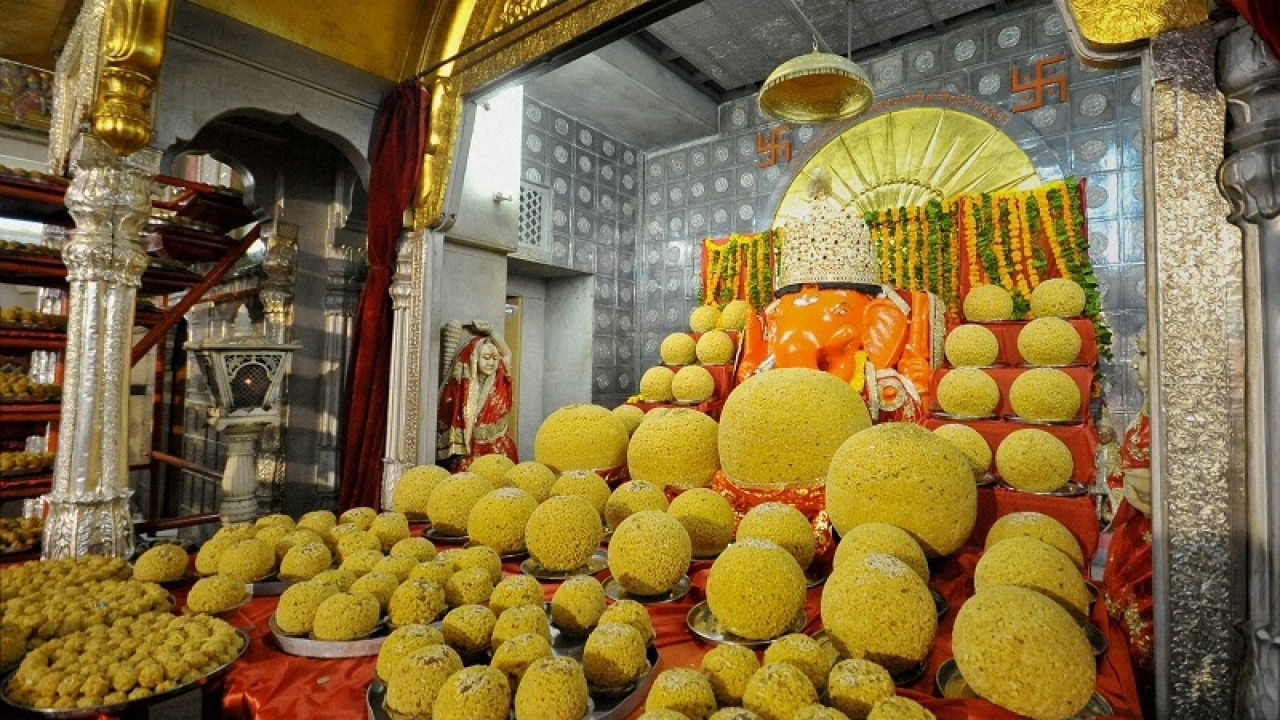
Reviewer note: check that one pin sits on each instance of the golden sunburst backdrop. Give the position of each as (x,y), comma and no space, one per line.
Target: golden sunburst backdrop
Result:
(909,156)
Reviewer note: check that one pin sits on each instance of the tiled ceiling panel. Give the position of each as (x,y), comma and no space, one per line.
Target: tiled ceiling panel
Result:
(732,45)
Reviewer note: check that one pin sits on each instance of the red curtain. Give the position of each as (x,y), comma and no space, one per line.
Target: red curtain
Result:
(1264,16)
(393,179)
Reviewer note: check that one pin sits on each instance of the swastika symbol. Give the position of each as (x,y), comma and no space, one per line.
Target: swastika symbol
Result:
(1041,79)
(776,148)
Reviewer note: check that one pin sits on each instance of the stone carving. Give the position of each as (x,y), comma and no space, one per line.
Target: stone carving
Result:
(1250,180)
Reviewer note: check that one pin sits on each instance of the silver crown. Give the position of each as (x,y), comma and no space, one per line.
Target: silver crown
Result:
(830,245)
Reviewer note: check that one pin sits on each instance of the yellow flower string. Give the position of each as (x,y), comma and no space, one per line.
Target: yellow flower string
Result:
(1028,250)
(904,249)
(712,287)
(952,252)
(1014,216)
(970,239)
(927,259)
(1069,225)
(911,248)
(1051,236)
(882,235)
(895,235)
(999,248)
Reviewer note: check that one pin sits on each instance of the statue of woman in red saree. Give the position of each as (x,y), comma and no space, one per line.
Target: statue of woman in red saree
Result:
(475,405)
(1126,578)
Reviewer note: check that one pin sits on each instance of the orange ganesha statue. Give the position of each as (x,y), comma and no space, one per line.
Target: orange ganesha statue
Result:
(832,314)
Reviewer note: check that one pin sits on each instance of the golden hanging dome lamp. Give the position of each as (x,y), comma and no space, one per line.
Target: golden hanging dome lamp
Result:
(818,87)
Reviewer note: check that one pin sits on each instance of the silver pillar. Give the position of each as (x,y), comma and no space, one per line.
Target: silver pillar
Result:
(109,198)
(280,263)
(1196,335)
(400,453)
(1250,178)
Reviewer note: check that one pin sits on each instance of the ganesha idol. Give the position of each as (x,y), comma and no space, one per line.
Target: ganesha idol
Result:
(832,314)
(836,351)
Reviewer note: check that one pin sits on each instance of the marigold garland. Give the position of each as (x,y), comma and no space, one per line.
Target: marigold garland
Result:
(985,239)
(1029,244)
(904,247)
(882,244)
(969,218)
(1015,238)
(739,267)
(911,225)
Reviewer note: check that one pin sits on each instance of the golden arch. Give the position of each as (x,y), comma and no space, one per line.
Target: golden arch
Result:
(909,156)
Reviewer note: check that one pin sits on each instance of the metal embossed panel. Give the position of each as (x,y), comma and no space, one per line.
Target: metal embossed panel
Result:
(730,46)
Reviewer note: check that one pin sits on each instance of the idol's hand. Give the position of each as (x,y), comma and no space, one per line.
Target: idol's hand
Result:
(1137,489)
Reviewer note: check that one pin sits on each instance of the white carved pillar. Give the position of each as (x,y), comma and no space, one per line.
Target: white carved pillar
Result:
(1250,177)
(1197,337)
(400,454)
(240,498)
(109,198)
(280,264)
(345,271)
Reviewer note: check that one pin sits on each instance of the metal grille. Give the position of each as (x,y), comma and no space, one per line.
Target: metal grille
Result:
(249,385)
(533,231)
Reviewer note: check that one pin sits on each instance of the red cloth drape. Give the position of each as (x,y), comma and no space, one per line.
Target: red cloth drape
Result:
(397,164)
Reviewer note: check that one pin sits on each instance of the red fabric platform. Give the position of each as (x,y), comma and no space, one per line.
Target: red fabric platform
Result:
(1004,377)
(268,684)
(1006,332)
(1081,440)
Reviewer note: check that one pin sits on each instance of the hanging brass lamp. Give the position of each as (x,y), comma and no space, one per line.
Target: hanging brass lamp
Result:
(818,87)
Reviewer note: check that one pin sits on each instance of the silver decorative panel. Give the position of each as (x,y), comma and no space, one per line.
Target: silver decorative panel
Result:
(582,188)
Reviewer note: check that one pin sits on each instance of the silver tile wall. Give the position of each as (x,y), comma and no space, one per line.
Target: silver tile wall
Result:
(595,187)
(713,186)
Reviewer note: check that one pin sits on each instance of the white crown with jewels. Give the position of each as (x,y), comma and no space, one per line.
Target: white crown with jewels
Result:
(829,245)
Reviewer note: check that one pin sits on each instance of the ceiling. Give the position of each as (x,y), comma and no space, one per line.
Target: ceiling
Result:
(658,87)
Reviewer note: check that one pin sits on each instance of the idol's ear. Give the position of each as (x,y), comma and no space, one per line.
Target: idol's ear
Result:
(884,332)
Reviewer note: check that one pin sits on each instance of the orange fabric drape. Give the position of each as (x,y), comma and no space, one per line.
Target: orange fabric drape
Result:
(397,164)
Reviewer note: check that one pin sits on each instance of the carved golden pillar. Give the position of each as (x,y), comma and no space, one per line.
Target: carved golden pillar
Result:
(105,81)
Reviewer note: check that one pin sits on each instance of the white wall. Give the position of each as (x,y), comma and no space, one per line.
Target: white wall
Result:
(555,338)
(473,286)
(21,152)
(569,319)
(533,341)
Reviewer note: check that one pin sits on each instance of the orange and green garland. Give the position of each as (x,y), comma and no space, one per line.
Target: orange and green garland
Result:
(915,246)
(1013,239)
(739,267)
